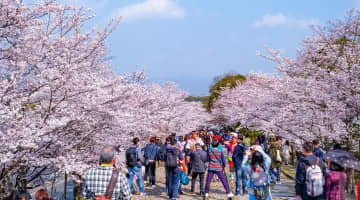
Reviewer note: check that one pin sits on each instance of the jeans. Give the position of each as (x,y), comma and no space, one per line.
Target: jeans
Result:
(222,178)
(138,172)
(173,177)
(278,173)
(193,181)
(241,177)
(150,171)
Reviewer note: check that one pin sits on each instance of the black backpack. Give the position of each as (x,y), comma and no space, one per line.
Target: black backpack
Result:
(161,153)
(131,157)
(171,159)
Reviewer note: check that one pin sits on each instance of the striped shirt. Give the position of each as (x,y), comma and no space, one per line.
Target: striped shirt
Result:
(216,160)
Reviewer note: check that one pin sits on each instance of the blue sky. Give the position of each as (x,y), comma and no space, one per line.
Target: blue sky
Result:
(192,41)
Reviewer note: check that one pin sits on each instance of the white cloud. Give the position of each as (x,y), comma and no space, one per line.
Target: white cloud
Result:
(151,9)
(274,20)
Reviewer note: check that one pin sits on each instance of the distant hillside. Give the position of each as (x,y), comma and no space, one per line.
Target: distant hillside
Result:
(202,99)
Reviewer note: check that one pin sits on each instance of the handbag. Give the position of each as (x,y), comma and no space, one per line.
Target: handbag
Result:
(278,156)
(110,187)
(184,179)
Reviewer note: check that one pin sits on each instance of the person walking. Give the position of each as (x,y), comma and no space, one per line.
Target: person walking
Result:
(238,156)
(173,157)
(133,162)
(317,150)
(276,155)
(286,152)
(198,159)
(217,166)
(187,151)
(150,152)
(335,183)
(230,146)
(309,179)
(264,143)
(97,180)
(258,170)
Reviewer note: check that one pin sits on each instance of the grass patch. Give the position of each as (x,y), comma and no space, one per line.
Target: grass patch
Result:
(289,171)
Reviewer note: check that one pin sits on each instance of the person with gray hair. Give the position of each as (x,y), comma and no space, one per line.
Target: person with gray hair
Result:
(97,179)
(107,155)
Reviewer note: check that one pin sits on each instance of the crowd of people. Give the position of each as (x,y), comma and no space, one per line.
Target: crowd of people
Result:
(202,155)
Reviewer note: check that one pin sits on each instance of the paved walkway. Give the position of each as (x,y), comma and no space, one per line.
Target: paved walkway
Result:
(217,192)
(285,191)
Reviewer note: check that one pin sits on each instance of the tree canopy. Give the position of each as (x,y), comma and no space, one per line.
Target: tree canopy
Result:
(226,81)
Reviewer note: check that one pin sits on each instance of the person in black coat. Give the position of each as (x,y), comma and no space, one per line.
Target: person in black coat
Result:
(237,158)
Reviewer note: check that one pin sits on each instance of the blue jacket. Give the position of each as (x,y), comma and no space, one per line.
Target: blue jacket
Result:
(150,151)
(249,171)
(238,155)
(318,152)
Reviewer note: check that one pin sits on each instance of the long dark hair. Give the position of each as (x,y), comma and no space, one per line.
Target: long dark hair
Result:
(257,160)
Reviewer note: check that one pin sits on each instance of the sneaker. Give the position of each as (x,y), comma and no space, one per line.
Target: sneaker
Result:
(278,183)
(206,194)
(142,194)
(230,195)
(153,186)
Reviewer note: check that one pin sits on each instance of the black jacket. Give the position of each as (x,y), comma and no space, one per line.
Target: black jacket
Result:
(300,178)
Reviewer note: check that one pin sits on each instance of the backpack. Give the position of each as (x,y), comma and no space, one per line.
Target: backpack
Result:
(261,185)
(131,157)
(171,159)
(314,180)
(161,153)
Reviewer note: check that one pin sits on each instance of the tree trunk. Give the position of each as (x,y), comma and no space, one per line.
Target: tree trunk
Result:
(65,185)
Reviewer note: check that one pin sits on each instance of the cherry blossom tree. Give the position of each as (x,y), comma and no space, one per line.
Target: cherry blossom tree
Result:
(60,102)
(279,105)
(330,59)
(315,95)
